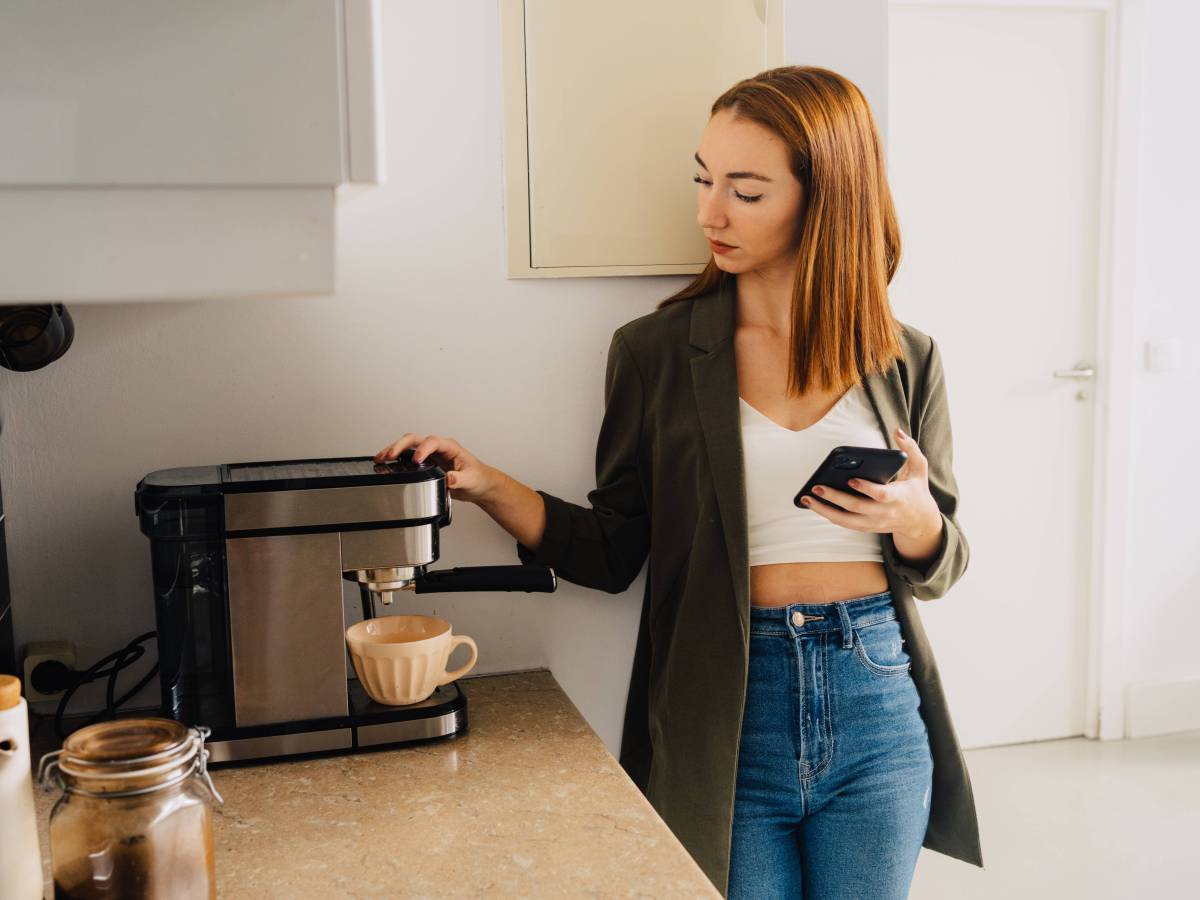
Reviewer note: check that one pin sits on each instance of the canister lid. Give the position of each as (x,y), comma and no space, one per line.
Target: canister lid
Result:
(125,739)
(10,691)
(128,758)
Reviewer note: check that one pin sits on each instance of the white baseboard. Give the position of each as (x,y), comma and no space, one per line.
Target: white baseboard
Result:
(1161,707)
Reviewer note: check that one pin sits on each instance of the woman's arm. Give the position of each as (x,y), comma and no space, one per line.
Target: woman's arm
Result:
(517,509)
(934,576)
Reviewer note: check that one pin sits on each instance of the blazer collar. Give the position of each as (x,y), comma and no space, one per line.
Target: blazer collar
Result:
(714,315)
(714,381)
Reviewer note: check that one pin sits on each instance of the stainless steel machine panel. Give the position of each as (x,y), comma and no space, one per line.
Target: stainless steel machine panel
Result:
(376,548)
(333,506)
(286,628)
(412,730)
(279,745)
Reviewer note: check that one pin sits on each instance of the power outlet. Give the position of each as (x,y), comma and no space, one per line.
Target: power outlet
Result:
(40,652)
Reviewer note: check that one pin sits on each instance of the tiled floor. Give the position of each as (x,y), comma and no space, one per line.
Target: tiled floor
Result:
(1103,820)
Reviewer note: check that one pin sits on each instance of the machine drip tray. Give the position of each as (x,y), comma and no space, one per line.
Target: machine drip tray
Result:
(442,713)
(370,725)
(363,708)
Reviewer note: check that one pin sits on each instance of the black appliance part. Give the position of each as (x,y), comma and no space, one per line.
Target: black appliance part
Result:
(34,336)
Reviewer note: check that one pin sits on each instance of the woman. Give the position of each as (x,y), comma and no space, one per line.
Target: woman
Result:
(774,718)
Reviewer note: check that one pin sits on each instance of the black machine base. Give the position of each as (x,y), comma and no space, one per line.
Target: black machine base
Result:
(369,726)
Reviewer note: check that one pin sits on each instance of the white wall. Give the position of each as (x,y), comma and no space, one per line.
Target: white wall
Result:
(1162,608)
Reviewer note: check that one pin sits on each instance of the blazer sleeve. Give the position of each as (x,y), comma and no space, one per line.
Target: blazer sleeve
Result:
(605,544)
(933,434)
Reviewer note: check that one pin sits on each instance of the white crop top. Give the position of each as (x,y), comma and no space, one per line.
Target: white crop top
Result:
(778,461)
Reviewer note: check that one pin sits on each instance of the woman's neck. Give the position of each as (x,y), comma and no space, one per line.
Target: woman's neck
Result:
(764,300)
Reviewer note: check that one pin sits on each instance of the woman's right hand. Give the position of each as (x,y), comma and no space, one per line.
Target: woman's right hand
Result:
(467,477)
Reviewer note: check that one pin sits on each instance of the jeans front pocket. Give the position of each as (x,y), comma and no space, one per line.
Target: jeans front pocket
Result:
(879,647)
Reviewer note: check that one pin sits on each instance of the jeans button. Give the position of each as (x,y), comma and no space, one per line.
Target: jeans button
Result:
(798,618)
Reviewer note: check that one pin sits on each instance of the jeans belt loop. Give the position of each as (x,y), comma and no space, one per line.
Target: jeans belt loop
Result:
(847,628)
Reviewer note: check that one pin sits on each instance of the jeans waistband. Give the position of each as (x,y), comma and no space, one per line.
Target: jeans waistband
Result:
(796,619)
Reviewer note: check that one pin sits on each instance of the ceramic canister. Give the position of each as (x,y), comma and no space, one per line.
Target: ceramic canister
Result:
(20,858)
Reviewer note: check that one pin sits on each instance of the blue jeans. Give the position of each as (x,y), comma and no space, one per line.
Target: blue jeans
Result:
(834,767)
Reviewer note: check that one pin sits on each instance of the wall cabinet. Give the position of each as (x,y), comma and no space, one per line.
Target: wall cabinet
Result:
(604,104)
(152,149)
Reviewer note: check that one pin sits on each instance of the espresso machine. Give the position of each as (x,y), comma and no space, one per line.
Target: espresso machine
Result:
(248,565)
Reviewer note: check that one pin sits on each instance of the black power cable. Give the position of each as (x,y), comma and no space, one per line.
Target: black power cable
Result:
(120,660)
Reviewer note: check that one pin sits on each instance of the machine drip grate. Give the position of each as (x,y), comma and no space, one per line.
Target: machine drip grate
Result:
(289,471)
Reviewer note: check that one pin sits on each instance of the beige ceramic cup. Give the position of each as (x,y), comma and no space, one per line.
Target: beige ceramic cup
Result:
(402,659)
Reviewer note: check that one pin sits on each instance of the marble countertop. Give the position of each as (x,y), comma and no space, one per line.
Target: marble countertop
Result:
(527,803)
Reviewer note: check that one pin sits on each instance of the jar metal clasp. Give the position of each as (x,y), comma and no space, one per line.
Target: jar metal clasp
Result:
(49,773)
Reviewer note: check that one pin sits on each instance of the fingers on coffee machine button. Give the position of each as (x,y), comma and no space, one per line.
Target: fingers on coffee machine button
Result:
(393,450)
(429,446)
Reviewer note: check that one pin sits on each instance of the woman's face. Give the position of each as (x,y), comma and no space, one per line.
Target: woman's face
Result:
(747,196)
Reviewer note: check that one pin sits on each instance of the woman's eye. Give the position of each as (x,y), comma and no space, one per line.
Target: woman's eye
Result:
(744,197)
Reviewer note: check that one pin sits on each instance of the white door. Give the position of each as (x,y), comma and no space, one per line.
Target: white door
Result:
(994,150)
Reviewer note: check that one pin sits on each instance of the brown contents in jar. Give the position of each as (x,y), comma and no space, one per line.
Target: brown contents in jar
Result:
(170,865)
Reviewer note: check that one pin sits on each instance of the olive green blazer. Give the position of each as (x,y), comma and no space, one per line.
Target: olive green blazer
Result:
(669,486)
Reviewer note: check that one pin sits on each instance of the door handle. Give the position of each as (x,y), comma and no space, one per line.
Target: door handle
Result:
(1080,371)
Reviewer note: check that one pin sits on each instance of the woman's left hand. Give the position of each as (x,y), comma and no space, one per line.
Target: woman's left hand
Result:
(903,506)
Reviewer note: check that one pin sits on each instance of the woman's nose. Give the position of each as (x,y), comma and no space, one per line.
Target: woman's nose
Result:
(711,213)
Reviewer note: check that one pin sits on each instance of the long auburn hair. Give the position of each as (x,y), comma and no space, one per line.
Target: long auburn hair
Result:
(849,246)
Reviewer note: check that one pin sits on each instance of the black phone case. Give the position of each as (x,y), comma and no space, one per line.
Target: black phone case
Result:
(878,464)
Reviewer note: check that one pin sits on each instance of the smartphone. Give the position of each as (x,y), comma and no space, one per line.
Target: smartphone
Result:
(878,464)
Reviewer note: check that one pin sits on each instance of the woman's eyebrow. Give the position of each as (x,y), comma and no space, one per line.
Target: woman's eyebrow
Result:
(732,175)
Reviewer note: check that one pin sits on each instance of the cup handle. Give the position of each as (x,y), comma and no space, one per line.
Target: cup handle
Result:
(455,640)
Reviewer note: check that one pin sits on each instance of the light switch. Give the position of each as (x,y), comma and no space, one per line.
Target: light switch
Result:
(1162,356)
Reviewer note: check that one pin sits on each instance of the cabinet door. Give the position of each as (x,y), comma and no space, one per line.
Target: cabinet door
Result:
(604,107)
(170,92)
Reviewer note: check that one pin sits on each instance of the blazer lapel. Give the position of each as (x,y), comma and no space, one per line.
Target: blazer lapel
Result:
(886,391)
(714,380)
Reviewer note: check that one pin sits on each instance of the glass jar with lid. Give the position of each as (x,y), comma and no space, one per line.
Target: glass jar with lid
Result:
(135,817)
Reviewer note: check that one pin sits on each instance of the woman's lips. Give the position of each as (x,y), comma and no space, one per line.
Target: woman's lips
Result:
(718,247)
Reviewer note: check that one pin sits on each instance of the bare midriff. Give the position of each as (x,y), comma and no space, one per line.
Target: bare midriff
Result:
(779,584)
